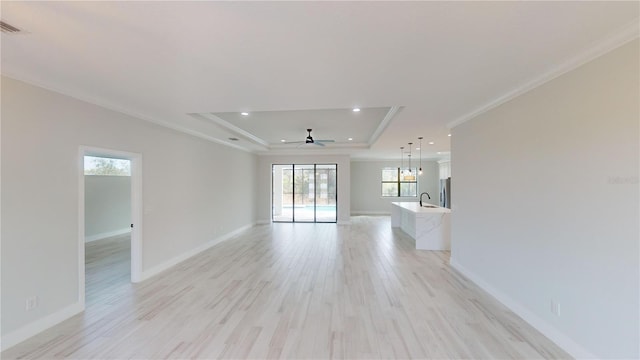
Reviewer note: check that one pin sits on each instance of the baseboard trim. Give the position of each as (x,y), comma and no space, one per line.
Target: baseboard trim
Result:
(371,213)
(263,222)
(15,337)
(146,274)
(344,222)
(548,330)
(107,234)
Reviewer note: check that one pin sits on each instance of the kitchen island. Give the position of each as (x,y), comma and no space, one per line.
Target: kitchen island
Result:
(429,226)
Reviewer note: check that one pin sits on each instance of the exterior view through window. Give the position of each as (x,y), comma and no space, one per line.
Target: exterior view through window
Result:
(304,193)
(106,166)
(394,183)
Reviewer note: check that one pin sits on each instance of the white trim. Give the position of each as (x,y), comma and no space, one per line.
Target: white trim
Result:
(81,241)
(392,161)
(558,337)
(128,112)
(618,38)
(365,158)
(231,127)
(371,213)
(295,149)
(316,151)
(107,234)
(136,218)
(136,212)
(33,328)
(186,255)
(384,123)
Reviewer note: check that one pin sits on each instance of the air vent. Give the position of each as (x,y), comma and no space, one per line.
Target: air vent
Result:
(8,29)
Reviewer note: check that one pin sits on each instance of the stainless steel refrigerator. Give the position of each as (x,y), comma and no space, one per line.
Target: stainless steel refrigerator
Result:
(445,192)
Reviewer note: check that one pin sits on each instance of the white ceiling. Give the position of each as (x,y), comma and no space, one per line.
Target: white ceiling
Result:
(338,125)
(413,67)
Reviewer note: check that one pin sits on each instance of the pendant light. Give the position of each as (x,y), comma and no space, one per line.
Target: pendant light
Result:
(420,171)
(410,176)
(401,160)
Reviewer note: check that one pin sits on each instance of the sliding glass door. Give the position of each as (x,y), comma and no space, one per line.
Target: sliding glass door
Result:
(326,194)
(304,193)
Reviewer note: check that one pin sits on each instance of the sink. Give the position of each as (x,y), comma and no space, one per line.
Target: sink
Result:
(429,206)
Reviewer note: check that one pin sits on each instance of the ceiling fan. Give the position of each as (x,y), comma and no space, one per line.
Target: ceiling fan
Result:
(310,141)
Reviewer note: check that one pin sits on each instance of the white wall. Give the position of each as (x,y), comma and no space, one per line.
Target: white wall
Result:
(366,186)
(546,204)
(189,198)
(107,206)
(263,201)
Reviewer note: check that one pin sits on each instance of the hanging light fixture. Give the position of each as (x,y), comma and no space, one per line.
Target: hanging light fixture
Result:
(410,176)
(420,171)
(401,160)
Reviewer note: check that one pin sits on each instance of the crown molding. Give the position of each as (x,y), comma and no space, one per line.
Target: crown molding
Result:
(121,110)
(618,38)
(327,146)
(384,123)
(305,152)
(227,125)
(390,159)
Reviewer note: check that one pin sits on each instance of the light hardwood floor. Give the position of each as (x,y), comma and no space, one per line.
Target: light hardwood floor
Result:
(107,269)
(298,291)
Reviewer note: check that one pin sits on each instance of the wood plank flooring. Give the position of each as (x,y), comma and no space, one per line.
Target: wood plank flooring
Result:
(107,269)
(298,291)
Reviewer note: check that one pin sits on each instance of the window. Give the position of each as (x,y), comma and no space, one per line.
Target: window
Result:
(106,166)
(394,183)
(304,193)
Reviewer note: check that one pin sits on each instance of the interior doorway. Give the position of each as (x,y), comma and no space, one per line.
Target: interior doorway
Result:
(110,204)
(304,193)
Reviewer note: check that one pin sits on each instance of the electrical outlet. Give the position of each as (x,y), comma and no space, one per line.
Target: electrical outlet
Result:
(31,303)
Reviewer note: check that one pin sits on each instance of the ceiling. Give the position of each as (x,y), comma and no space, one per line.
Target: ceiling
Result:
(413,68)
(346,127)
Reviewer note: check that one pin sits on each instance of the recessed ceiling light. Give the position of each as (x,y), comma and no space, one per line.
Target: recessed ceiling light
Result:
(244,113)
(431,143)
(449,135)
(356,109)
(350,139)
(417,148)
(283,140)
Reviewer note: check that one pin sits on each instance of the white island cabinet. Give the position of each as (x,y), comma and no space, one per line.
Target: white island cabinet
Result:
(429,226)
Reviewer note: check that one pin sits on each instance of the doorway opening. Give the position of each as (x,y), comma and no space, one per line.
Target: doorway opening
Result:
(110,224)
(304,193)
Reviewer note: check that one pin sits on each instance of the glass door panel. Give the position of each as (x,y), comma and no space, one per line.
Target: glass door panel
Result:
(304,199)
(326,194)
(282,193)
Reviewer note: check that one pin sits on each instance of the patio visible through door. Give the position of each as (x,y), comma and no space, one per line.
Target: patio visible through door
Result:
(304,193)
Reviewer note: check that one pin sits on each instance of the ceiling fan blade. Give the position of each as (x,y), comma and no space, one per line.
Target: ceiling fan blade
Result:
(326,141)
(309,145)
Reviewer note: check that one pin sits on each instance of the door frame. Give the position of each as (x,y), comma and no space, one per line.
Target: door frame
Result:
(136,212)
(293,168)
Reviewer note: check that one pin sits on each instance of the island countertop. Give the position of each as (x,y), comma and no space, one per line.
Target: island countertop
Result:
(414,206)
(429,226)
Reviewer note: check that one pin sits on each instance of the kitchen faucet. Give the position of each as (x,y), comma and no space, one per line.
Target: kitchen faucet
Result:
(429,196)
